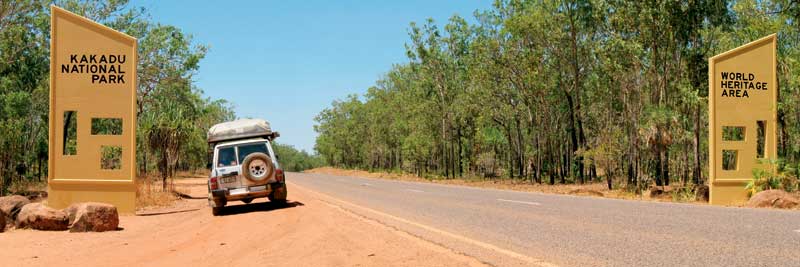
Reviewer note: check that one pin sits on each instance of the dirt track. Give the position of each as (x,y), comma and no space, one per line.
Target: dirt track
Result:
(309,232)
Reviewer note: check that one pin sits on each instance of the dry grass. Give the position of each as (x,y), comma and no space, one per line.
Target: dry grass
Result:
(191,174)
(590,189)
(23,187)
(33,190)
(149,194)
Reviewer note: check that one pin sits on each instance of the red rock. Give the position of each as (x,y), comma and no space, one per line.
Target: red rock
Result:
(92,217)
(40,217)
(773,199)
(11,205)
(701,193)
(656,192)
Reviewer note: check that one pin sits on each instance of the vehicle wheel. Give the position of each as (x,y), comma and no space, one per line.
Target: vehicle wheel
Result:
(257,167)
(216,211)
(278,196)
(247,200)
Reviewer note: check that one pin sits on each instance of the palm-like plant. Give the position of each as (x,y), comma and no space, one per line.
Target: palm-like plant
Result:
(776,175)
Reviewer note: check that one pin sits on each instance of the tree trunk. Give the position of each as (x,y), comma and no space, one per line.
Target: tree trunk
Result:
(698,179)
(572,132)
(520,150)
(658,165)
(460,151)
(666,166)
(538,159)
(552,170)
(564,166)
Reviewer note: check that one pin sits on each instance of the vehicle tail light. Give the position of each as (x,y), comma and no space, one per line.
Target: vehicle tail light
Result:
(213,183)
(279,175)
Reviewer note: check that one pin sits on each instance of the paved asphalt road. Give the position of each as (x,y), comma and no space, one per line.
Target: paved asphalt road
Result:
(578,231)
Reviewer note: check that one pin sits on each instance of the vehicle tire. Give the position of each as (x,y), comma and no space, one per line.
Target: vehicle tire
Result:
(216,211)
(278,195)
(247,200)
(257,167)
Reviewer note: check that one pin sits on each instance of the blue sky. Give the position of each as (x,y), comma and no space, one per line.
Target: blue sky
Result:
(285,61)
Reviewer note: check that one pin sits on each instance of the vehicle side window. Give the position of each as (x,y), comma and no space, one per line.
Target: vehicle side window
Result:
(245,150)
(227,157)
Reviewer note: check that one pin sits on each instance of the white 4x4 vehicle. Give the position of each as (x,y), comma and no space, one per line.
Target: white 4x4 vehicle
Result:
(244,166)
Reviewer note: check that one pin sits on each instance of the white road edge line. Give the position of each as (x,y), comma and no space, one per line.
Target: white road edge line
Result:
(797,231)
(488,246)
(366,184)
(520,202)
(416,191)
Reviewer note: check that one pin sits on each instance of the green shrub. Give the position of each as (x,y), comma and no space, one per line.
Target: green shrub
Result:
(776,175)
(683,194)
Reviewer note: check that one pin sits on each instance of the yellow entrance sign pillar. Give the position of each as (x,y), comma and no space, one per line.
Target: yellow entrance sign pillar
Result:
(92,113)
(742,97)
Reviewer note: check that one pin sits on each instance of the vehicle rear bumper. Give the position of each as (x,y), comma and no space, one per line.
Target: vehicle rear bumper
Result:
(219,196)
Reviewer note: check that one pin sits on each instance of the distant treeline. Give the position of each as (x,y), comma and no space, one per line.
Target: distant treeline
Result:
(562,92)
(294,160)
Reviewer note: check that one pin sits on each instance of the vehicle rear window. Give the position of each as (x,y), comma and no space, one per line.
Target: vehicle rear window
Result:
(245,150)
(227,157)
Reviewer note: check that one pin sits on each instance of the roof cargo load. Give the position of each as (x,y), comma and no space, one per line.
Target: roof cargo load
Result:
(240,129)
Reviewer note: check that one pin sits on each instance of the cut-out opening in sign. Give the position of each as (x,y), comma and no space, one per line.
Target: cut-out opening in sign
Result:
(733,133)
(730,160)
(111,158)
(106,126)
(70,133)
(761,138)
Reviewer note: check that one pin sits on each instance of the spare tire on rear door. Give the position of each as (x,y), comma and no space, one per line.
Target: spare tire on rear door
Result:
(257,167)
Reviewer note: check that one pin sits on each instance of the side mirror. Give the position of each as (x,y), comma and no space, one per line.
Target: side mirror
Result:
(208,166)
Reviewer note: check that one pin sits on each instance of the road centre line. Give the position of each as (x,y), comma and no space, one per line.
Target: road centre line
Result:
(520,202)
(797,231)
(416,191)
(366,184)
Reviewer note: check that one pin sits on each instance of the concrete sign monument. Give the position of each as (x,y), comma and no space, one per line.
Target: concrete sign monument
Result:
(742,108)
(92,113)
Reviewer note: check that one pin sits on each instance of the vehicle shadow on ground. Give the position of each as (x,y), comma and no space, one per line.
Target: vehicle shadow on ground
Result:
(258,207)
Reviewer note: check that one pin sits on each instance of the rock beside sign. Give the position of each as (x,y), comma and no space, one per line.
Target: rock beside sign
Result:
(656,192)
(701,193)
(80,217)
(773,199)
(11,206)
(92,217)
(40,217)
